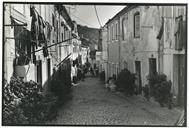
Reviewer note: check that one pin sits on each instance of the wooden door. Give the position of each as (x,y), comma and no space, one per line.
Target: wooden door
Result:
(138,76)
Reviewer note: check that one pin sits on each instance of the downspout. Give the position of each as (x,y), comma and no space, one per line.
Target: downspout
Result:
(159,44)
(58,33)
(108,51)
(162,44)
(119,41)
(160,47)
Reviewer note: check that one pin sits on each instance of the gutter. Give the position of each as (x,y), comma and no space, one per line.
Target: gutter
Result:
(126,9)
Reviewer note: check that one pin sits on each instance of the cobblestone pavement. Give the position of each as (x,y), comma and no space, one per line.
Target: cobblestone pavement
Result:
(93,104)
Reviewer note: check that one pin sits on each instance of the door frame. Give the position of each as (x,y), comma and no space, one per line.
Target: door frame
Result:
(139,69)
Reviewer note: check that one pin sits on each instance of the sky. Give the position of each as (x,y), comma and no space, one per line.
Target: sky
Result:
(85,14)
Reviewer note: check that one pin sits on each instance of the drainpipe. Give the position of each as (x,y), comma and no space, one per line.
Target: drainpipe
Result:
(162,44)
(107,52)
(119,41)
(161,47)
(58,33)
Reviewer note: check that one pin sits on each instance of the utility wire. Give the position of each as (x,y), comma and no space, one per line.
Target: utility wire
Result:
(97,16)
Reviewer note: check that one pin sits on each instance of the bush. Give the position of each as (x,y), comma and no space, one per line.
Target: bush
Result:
(24,103)
(125,82)
(12,114)
(61,83)
(160,88)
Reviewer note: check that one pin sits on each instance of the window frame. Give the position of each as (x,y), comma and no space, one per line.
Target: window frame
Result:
(116,31)
(134,18)
(123,25)
(112,34)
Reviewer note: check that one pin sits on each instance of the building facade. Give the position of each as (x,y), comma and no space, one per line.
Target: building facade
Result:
(149,39)
(37,37)
(104,43)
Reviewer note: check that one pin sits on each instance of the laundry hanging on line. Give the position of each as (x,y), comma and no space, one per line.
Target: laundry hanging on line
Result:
(22,43)
(34,26)
(41,36)
(159,36)
(180,33)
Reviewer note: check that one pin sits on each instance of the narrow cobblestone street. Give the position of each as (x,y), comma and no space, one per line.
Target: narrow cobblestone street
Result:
(93,104)
(138,50)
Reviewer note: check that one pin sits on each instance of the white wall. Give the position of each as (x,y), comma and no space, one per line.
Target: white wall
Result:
(9,46)
(31,72)
(44,71)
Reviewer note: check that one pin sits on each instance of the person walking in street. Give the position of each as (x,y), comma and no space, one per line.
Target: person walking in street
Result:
(74,74)
(92,71)
(79,72)
(83,73)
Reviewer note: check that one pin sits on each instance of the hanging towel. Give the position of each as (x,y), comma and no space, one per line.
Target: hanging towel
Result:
(41,36)
(34,26)
(161,30)
(180,33)
(22,43)
(47,31)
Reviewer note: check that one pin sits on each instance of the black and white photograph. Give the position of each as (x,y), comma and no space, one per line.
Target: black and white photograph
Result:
(94,64)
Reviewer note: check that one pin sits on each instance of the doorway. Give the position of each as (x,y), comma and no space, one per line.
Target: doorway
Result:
(179,78)
(48,69)
(138,77)
(152,66)
(39,72)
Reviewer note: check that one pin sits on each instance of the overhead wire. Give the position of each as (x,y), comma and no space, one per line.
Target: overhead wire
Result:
(97,16)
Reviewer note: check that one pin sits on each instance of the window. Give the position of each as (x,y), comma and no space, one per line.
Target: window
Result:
(62,36)
(116,31)
(137,25)
(65,33)
(53,20)
(124,29)
(112,32)
(109,34)
(152,66)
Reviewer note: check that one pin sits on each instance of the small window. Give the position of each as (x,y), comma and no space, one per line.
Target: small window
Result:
(116,31)
(152,66)
(53,18)
(62,36)
(137,25)
(109,33)
(124,29)
(112,32)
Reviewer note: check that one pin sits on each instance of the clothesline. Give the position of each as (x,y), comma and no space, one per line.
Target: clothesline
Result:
(53,45)
(17,19)
(47,46)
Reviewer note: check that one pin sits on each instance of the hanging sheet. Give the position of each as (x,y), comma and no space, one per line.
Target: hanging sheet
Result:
(180,33)
(22,43)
